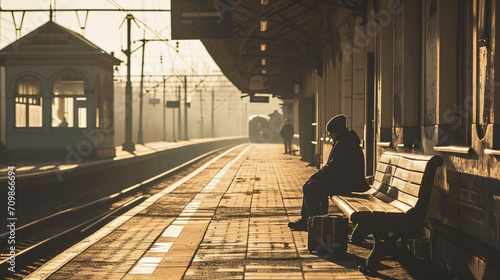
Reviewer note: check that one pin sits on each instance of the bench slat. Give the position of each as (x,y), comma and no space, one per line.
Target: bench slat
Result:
(383,178)
(406,187)
(401,196)
(380,186)
(415,177)
(419,165)
(389,158)
(367,203)
(390,200)
(408,175)
(397,189)
(343,205)
(378,206)
(386,168)
(358,206)
(405,163)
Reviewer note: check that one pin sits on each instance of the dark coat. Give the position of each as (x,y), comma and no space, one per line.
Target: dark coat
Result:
(345,170)
(286,131)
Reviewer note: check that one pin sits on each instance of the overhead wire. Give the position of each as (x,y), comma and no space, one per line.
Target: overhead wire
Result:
(154,33)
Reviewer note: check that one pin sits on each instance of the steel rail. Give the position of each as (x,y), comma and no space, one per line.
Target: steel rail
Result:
(43,223)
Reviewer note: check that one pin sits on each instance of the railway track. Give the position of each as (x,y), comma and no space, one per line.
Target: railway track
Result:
(43,239)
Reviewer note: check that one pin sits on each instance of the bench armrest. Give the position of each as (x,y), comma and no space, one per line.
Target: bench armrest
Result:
(370,179)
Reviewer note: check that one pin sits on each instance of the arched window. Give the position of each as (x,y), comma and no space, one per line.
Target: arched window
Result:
(28,98)
(69,102)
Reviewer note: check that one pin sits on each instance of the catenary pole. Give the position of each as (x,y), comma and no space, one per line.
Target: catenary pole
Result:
(213,98)
(185,110)
(139,136)
(179,112)
(128,146)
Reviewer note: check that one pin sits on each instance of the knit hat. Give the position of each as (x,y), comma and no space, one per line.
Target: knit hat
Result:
(337,124)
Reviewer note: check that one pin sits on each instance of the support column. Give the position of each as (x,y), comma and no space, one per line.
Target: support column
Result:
(495,118)
(128,146)
(431,81)
(385,83)
(358,81)
(409,78)
(447,113)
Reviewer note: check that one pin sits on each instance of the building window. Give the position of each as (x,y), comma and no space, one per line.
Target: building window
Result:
(483,64)
(465,72)
(28,100)
(69,102)
(483,23)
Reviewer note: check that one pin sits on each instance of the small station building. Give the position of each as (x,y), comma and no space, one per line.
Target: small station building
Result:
(58,96)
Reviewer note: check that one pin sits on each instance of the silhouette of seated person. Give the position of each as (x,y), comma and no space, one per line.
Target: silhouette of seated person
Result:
(343,173)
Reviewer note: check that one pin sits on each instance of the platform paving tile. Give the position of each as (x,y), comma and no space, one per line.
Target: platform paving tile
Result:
(137,234)
(248,237)
(186,242)
(228,222)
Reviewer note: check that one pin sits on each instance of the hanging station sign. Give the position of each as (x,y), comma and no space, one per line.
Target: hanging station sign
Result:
(201,19)
(173,104)
(154,101)
(259,99)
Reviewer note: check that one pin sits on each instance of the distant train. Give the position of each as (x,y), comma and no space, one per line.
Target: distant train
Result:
(264,129)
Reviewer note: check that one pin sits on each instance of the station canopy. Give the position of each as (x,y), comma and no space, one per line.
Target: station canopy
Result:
(274,42)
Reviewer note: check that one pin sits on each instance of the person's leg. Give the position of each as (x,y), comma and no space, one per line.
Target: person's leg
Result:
(323,202)
(312,200)
(289,145)
(311,205)
(306,201)
(284,141)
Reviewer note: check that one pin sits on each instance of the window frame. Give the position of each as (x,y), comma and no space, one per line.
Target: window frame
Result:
(76,104)
(27,104)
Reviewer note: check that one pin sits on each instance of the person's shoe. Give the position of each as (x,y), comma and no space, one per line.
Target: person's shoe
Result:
(299,225)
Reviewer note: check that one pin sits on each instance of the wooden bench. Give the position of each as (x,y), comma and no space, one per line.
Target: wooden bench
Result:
(395,205)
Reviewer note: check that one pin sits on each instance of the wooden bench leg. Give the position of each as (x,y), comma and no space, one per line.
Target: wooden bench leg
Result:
(359,234)
(403,254)
(384,245)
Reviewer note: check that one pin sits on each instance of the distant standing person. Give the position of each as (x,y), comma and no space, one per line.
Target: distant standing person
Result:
(287,132)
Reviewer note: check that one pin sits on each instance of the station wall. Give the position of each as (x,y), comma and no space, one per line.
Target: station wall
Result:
(434,92)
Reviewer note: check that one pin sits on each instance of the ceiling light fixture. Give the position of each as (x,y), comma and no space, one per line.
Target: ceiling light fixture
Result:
(263,61)
(263,24)
(263,47)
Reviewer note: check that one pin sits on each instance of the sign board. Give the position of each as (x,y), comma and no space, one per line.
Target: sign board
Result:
(259,99)
(201,19)
(154,101)
(176,104)
(173,104)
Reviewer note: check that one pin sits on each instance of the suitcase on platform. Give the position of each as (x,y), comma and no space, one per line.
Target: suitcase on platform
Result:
(327,233)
